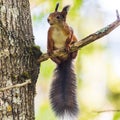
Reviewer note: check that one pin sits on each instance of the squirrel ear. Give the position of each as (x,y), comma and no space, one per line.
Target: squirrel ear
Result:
(65,9)
(57,5)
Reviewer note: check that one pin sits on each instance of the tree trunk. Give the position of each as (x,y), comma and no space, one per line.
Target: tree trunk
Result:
(17,60)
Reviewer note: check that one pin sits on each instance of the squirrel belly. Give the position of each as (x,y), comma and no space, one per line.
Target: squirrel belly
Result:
(63,91)
(59,38)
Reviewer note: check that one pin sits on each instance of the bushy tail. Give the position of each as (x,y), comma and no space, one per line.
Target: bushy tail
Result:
(63,92)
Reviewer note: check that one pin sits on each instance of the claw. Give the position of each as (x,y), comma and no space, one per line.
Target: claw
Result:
(67,48)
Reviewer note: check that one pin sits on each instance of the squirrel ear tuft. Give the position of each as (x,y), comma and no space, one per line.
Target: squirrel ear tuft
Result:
(57,5)
(65,9)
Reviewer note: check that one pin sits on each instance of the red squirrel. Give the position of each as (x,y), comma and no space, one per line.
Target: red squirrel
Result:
(63,89)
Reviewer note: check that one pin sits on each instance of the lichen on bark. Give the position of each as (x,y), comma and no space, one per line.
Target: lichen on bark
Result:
(16,60)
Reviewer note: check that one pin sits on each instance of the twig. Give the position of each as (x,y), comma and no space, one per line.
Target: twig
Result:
(117,13)
(85,41)
(102,111)
(16,85)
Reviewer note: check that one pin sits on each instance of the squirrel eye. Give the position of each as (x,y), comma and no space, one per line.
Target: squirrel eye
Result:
(58,17)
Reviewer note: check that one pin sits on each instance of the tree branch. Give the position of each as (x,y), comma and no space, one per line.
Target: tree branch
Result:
(102,111)
(16,85)
(85,41)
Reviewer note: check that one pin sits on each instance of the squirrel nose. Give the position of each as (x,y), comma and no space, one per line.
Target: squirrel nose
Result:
(48,20)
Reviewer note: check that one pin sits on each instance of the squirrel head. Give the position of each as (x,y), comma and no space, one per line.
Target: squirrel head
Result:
(56,17)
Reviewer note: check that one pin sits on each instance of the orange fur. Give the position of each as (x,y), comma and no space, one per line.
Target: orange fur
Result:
(60,35)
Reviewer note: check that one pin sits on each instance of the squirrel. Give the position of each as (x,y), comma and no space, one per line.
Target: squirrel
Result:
(63,88)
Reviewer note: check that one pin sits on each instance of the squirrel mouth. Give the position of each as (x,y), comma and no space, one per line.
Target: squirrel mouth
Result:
(50,23)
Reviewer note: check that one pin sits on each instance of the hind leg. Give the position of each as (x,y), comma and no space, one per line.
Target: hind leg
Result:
(56,60)
(74,54)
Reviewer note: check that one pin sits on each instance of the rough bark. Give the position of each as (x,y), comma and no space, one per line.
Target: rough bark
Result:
(17,61)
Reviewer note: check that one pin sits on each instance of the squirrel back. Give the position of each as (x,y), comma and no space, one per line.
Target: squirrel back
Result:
(63,88)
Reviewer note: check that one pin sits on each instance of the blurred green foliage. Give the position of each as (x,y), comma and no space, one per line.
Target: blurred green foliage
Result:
(45,113)
(116,116)
(50,6)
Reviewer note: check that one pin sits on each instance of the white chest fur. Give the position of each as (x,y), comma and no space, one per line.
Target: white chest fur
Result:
(59,38)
